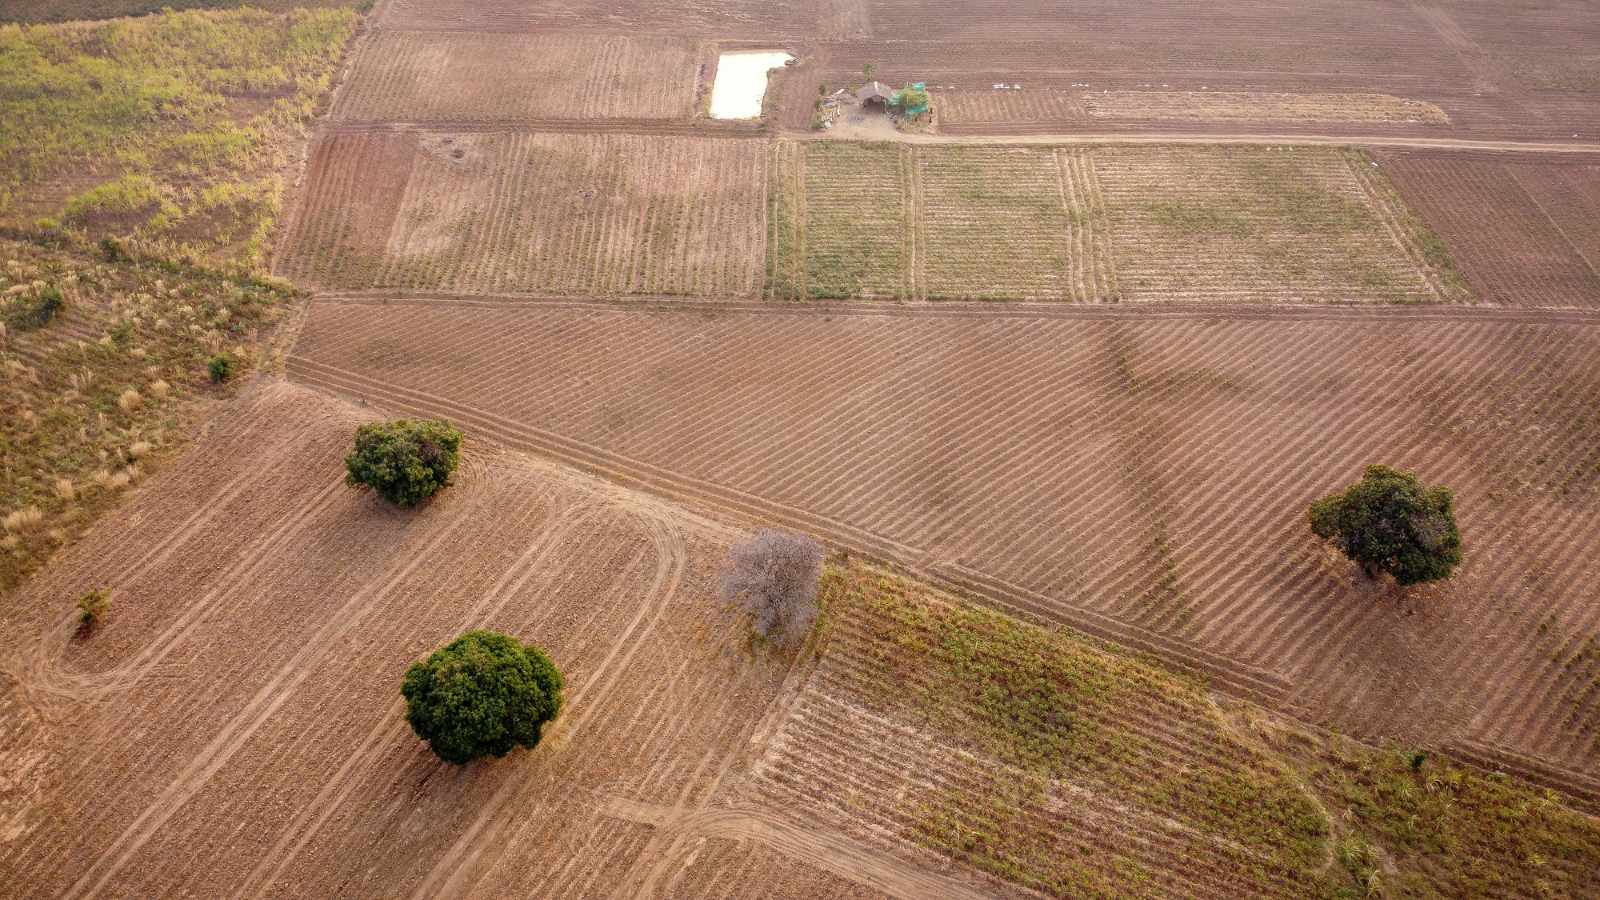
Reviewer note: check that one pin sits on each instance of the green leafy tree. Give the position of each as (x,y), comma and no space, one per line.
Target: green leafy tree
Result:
(481,695)
(406,461)
(1391,522)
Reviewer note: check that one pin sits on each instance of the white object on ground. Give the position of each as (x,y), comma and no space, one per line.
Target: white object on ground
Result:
(742,82)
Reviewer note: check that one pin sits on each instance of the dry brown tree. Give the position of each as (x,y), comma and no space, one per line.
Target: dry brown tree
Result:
(773,577)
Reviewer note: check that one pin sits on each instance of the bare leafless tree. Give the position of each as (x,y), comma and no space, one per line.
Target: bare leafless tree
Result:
(773,576)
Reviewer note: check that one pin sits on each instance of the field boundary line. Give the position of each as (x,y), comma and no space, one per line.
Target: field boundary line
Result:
(1331,310)
(1580,786)
(612,466)
(1384,209)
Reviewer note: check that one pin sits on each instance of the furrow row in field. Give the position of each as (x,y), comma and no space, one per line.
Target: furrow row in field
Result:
(1153,473)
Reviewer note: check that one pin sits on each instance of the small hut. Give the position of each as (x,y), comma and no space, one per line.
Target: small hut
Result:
(874,91)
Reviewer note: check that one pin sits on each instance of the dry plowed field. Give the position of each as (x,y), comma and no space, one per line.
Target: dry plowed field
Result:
(1524,231)
(1145,478)
(534,213)
(454,77)
(234,728)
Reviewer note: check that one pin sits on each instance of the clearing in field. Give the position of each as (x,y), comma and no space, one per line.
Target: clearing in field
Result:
(532,213)
(468,77)
(263,615)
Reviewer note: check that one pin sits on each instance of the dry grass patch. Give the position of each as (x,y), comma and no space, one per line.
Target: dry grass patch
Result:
(1233,106)
(109,389)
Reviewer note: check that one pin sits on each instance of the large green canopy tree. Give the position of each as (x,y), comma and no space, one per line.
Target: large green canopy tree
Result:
(1391,522)
(482,695)
(404,460)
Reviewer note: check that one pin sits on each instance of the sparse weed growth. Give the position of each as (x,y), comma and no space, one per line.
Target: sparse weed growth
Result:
(93,606)
(152,113)
(92,407)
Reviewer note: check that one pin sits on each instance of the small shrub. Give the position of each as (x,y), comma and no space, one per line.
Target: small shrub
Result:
(1391,522)
(93,606)
(405,461)
(220,367)
(38,311)
(773,577)
(482,695)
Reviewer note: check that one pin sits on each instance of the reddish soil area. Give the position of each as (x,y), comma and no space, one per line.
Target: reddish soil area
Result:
(1141,476)
(1523,230)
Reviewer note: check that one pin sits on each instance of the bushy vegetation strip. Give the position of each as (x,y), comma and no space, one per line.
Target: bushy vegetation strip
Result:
(169,128)
(107,390)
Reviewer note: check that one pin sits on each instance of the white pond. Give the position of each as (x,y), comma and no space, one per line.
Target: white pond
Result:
(742,82)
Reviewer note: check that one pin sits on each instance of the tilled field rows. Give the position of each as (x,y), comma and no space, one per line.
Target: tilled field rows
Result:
(536,213)
(453,77)
(1074,224)
(627,214)
(842,756)
(235,728)
(1146,480)
(1261,223)
(1544,244)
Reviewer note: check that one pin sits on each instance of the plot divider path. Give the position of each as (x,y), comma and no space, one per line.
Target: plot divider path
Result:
(1186,310)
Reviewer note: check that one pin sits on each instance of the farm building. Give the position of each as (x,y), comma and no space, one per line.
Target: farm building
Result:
(874,91)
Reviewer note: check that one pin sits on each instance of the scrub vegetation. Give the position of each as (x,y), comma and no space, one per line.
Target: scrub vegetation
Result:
(171,128)
(107,389)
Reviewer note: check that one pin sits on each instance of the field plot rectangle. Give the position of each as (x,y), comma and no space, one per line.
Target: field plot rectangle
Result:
(1257,223)
(1508,245)
(547,214)
(469,77)
(996,224)
(1147,479)
(842,222)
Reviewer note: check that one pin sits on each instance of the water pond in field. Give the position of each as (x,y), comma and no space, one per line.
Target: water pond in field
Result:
(742,82)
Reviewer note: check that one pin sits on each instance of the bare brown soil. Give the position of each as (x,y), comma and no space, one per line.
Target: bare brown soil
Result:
(1523,230)
(1143,477)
